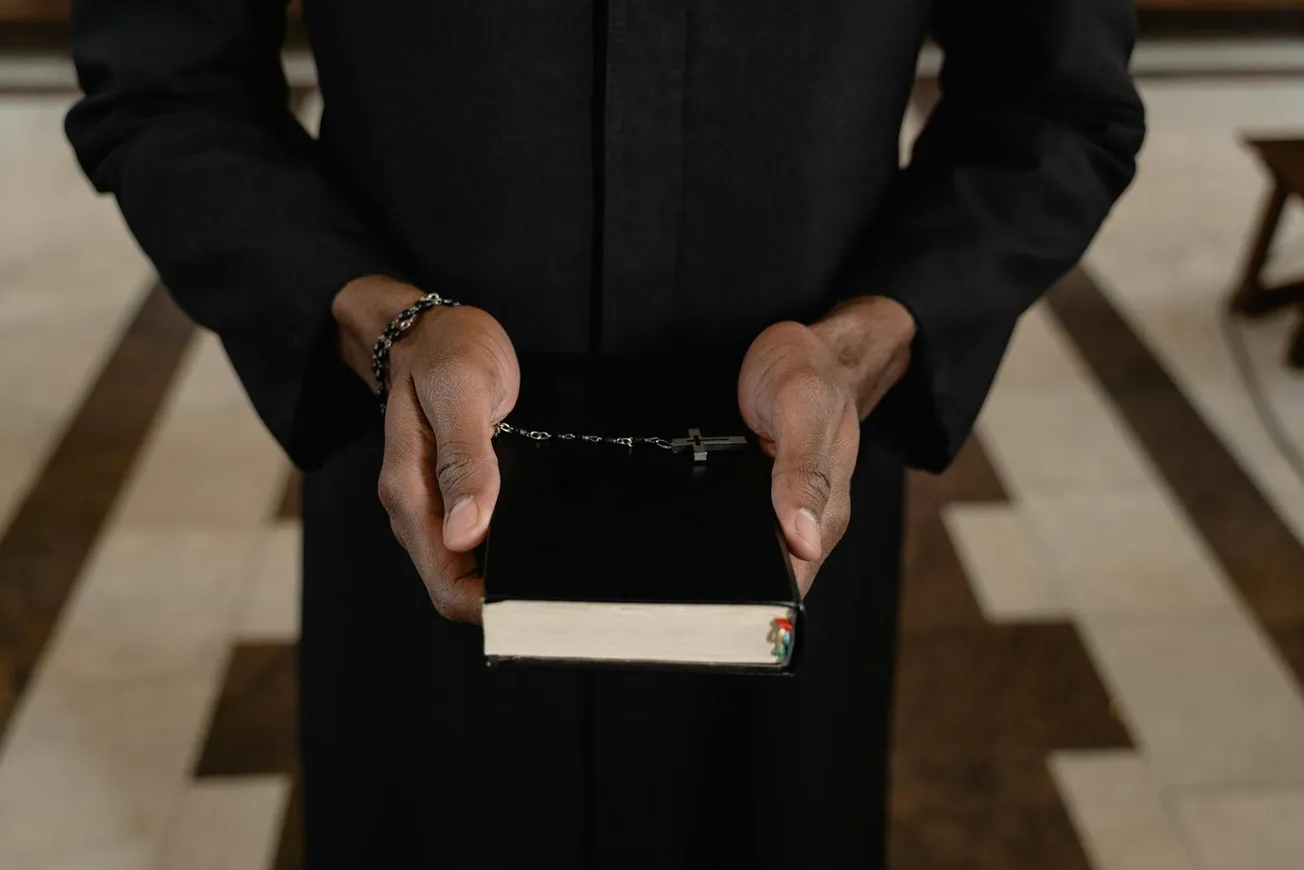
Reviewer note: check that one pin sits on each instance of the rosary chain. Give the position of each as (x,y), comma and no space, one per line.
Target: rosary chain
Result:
(624,441)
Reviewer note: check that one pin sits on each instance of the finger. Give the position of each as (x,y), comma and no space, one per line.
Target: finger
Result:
(842,465)
(837,509)
(802,478)
(804,573)
(411,497)
(460,404)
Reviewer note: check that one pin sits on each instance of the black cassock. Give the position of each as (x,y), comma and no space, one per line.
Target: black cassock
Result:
(628,176)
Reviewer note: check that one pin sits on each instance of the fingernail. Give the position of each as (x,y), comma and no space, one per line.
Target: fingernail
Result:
(808,528)
(462,518)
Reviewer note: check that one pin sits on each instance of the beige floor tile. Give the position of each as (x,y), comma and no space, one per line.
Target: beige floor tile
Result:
(1048,425)
(35,158)
(41,388)
(227,824)
(154,603)
(271,607)
(1116,809)
(1009,578)
(1208,701)
(66,251)
(1225,54)
(1128,553)
(1059,441)
(209,462)
(1244,829)
(80,260)
(97,768)
(208,383)
(1196,104)
(1040,356)
(123,853)
(204,471)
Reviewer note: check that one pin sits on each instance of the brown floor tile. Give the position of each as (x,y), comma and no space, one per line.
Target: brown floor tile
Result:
(935,592)
(289,851)
(979,814)
(1290,642)
(987,691)
(53,529)
(971,478)
(255,731)
(8,693)
(291,504)
(255,726)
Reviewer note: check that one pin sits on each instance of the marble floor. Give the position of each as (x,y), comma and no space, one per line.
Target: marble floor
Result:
(1102,650)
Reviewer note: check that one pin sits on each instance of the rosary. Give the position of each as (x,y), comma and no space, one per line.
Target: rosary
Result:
(399,326)
(695,441)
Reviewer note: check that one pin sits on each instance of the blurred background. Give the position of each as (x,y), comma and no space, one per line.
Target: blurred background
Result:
(1102,639)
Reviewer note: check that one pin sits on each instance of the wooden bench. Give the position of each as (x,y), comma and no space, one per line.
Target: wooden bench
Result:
(1284,159)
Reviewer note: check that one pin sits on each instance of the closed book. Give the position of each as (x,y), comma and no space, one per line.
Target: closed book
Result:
(605,554)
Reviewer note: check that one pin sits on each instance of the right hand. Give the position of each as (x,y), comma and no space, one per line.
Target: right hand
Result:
(453,377)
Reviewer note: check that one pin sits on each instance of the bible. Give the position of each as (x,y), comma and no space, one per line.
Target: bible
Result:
(656,552)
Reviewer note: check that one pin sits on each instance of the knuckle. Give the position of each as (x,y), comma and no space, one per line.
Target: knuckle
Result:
(844,519)
(451,375)
(458,468)
(389,490)
(838,519)
(814,481)
(441,603)
(396,528)
(439,585)
(456,377)
(807,390)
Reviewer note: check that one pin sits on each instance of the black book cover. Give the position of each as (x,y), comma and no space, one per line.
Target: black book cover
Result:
(587,522)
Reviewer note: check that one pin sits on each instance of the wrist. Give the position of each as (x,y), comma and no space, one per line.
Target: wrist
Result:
(362,310)
(870,337)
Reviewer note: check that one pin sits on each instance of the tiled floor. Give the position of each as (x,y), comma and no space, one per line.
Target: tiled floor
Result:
(1102,645)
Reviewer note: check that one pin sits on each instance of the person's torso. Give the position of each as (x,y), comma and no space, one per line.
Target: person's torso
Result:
(620,175)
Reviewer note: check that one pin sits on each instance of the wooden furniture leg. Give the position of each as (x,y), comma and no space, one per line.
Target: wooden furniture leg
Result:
(1251,298)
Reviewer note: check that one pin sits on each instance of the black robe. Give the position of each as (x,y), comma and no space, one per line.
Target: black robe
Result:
(613,177)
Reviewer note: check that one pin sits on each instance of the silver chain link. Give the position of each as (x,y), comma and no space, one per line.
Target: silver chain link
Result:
(623,441)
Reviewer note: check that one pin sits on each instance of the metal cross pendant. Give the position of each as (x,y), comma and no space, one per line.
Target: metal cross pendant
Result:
(702,446)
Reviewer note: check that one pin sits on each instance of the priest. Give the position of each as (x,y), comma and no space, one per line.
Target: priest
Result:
(619,178)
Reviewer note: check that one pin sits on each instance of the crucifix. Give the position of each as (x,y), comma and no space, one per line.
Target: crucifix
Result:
(702,446)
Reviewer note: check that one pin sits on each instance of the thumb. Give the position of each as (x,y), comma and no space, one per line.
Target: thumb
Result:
(800,488)
(466,469)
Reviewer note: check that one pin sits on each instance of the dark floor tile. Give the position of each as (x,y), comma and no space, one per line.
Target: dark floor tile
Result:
(255,726)
(985,691)
(979,814)
(971,478)
(1290,642)
(8,693)
(60,517)
(289,850)
(935,592)
(291,504)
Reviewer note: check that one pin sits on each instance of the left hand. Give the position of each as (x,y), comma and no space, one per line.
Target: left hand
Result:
(804,390)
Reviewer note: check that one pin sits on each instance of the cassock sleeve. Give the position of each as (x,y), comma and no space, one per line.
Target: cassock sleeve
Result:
(1033,139)
(186,121)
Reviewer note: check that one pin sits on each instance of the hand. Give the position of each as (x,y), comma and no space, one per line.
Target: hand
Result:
(804,390)
(453,377)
